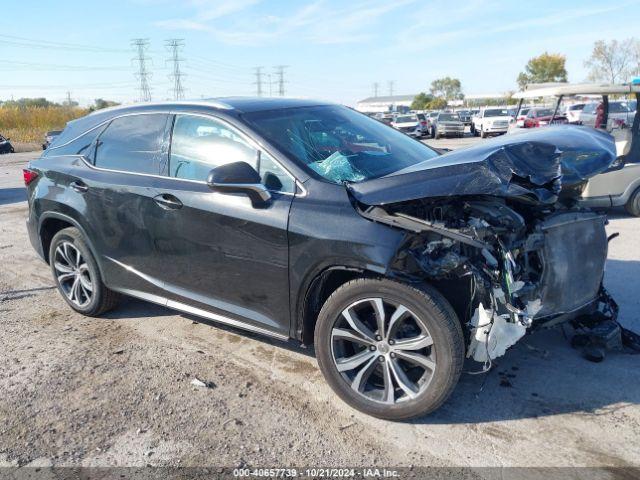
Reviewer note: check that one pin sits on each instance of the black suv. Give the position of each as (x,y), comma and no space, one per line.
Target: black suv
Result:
(309,221)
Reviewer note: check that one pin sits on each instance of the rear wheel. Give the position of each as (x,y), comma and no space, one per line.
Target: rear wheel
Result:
(633,204)
(389,349)
(77,276)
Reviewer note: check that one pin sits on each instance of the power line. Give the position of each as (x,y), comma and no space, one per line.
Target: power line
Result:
(279,71)
(175,45)
(258,83)
(141,45)
(17,65)
(31,43)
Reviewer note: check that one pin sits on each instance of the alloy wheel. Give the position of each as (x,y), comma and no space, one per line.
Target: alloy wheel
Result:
(72,274)
(383,351)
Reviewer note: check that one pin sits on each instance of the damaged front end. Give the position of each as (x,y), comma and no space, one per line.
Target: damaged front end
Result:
(507,240)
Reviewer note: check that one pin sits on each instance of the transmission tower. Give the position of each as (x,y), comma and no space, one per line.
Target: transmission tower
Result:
(279,70)
(376,86)
(140,46)
(258,82)
(174,45)
(390,85)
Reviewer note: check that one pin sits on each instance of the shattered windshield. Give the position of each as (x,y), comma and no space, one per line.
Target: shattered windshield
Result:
(337,143)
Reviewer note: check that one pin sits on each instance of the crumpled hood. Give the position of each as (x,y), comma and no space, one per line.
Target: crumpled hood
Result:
(535,164)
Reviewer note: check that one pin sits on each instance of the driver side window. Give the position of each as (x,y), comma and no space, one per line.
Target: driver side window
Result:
(200,144)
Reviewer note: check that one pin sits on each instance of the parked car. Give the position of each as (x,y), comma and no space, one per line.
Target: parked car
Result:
(619,115)
(49,137)
(491,121)
(422,117)
(409,124)
(447,124)
(573,113)
(541,117)
(520,117)
(309,221)
(465,116)
(5,145)
(430,117)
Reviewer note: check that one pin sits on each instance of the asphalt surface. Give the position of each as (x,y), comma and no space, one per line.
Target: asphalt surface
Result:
(117,390)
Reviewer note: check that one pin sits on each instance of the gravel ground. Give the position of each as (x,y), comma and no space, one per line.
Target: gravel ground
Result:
(117,390)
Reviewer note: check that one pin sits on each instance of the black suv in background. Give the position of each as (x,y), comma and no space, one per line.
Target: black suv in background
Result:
(309,221)
(5,145)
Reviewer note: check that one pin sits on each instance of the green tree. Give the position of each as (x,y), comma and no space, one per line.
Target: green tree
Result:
(421,100)
(548,67)
(614,61)
(39,102)
(447,88)
(100,103)
(437,103)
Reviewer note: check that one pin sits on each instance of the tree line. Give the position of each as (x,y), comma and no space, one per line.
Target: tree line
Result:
(611,62)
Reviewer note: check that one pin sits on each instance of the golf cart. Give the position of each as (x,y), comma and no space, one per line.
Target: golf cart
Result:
(620,185)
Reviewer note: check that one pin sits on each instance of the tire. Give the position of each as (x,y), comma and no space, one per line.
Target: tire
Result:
(473,130)
(436,322)
(483,133)
(633,204)
(82,288)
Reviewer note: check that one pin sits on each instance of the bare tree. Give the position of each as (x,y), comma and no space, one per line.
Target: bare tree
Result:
(613,61)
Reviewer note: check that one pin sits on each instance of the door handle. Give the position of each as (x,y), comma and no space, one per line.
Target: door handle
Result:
(79,186)
(168,201)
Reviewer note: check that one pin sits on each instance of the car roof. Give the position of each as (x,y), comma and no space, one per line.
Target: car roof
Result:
(230,105)
(239,104)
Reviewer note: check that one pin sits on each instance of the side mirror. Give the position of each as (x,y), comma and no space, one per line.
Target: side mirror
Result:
(239,177)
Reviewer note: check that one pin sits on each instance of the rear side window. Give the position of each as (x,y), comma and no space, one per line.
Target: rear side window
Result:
(134,143)
(83,145)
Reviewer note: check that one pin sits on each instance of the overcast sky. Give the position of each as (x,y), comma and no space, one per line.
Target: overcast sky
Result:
(335,49)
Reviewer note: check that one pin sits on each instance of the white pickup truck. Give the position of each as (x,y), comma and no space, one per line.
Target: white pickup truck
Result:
(491,121)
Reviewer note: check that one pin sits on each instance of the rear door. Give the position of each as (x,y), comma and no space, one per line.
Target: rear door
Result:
(122,203)
(219,252)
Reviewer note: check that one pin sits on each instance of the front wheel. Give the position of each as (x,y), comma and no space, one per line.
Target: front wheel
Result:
(77,276)
(389,349)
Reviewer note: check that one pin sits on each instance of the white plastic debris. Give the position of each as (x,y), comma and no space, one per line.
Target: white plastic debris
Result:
(490,338)
(196,382)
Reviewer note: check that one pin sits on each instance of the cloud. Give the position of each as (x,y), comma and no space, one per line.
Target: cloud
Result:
(318,22)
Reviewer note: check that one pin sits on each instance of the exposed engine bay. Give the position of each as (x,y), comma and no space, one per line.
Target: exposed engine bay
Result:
(528,268)
(500,229)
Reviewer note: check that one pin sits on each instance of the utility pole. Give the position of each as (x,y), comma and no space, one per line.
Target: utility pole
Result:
(390,84)
(174,45)
(375,89)
(279,70)
(258,82)
(270,84)
(68,98)
(140,46)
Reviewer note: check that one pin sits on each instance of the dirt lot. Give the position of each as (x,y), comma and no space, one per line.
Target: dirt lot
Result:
(117,390)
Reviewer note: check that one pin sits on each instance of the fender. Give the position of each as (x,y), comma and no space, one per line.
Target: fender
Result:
(61,216)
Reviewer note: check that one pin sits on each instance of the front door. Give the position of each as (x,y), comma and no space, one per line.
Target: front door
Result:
(220,253)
